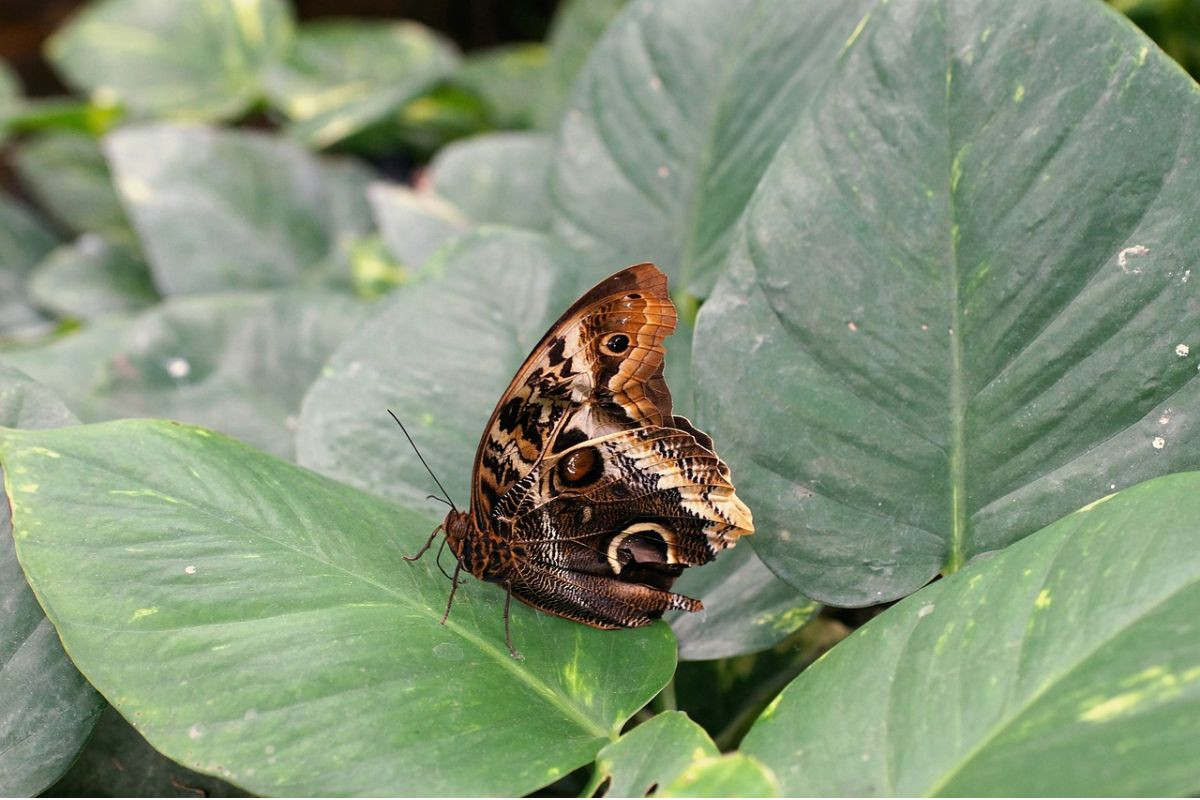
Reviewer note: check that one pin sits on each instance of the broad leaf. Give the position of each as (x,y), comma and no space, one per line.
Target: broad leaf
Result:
(91,277)
(118,762)
(240,363)
(438,355)
(270,632)
(24,240)
(968,318)
(67,174)
(1067,665)
(414,224)
(498,177)
(47,709)
(674,120)
(188,60)
(344,75)
(218,210)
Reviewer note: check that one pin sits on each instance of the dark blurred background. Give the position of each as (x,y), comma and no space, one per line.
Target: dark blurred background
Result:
(25,24)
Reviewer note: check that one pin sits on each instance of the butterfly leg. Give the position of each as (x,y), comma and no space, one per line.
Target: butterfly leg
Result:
(453,589)
(512,651)
(425,548)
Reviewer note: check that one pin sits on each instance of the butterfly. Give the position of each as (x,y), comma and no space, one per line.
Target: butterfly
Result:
(589,496)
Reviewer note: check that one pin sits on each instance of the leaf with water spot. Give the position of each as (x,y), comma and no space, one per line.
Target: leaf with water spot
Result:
(256,621)
(1067,665)
(962,293)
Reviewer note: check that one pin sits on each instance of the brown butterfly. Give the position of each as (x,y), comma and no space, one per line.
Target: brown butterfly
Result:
(588,496)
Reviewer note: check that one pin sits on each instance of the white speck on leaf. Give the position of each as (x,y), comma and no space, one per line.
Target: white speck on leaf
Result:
(1123,257)
(194,732)
(1158,443)
(655,83)
(663,172)
(853,328)
(924,327)
(178,367)
(925,610)
(1182,350)
(190,569)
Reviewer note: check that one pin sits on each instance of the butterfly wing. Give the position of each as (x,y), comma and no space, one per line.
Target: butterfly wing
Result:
(601,529)
(598,369)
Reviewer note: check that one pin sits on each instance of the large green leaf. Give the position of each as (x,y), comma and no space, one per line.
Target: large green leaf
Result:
(963,292)
(675,118)
(238,363)
(196,60)
(91,277)
(47,709)
(218,209)
(344,75)
(67,174)
(256,621)
(24,240)
(1067,665)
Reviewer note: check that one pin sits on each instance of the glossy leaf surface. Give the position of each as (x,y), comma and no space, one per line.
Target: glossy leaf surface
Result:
(972,285)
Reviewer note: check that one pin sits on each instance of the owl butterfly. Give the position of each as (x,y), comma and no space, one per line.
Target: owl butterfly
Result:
(588,496)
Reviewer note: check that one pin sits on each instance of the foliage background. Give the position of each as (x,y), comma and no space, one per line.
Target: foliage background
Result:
(339,216)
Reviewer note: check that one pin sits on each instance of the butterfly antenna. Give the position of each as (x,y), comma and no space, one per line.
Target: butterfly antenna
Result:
(446,494)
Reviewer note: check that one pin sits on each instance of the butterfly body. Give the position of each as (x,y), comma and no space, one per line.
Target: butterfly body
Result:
(589,496)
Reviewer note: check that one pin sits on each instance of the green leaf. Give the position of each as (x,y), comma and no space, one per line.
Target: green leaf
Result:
(509,79)
(91,277)
(344,75)
(118,762)
(239,363)
(219,209)
(497,177)
(47,709)
(730,775)
(1068,664)
(270,632)
(67,174)
(576,27)
(980,310)
(186,60)
(439,355)
(653,753)
(414,224)
(674,120)
(24,240)
(746,608)
(671,756)
(10,97)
